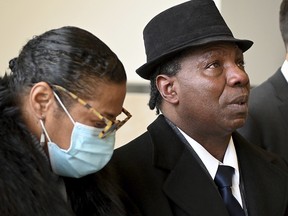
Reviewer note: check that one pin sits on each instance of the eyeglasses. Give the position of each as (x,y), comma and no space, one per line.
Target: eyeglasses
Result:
(110,124)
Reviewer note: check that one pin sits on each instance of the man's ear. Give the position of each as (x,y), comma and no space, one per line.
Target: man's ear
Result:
(165,85)
(41,97)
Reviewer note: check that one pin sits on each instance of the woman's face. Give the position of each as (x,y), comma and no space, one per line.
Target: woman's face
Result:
(108,100)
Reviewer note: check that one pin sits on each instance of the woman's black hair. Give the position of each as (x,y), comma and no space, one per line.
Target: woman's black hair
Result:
(70,57)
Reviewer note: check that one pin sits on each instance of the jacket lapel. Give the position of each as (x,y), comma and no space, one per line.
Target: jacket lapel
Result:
(192,190)
(280,86)
(188,185)
(265,185)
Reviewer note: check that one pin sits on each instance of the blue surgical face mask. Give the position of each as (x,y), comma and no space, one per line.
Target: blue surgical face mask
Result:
(87,152)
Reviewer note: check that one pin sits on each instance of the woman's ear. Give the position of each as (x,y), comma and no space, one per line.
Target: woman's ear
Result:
(166,88)
(41,97)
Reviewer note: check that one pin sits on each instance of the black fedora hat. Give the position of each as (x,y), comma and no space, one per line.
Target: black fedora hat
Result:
(193,23)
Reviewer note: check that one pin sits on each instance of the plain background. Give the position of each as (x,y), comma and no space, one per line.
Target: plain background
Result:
(120,24)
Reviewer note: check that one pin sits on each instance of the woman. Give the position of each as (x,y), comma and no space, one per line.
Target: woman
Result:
(58,110)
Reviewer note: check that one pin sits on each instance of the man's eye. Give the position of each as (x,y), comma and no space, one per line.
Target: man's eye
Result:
(213,65)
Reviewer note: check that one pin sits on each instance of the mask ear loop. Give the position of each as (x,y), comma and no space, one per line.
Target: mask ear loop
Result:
(43,131)
(42,136)
(64,108)
(42,140)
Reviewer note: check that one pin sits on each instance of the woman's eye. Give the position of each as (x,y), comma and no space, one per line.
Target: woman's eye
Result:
(100,125)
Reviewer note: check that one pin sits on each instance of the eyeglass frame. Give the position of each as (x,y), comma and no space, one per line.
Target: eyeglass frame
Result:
(111,125)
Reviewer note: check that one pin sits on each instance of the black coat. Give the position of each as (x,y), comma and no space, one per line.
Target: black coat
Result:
(27,185)
(164,178)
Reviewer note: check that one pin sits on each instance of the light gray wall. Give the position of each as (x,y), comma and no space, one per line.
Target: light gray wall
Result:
(257,20)
(120,23)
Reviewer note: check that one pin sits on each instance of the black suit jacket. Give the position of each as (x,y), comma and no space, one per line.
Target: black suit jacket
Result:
(267,122)
(164,177)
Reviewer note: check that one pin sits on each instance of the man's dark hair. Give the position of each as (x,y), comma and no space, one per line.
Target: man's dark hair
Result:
(283,21)
(169,68)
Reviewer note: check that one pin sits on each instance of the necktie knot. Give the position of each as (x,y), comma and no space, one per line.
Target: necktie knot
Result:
(223,176)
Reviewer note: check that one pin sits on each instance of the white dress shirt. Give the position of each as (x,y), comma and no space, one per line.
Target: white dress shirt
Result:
(211,163)
(284,70)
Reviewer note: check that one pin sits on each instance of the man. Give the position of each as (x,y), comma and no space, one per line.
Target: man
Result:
(199,84)
(267,122)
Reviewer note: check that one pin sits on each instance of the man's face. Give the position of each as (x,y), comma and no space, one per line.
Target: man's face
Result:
(212,89)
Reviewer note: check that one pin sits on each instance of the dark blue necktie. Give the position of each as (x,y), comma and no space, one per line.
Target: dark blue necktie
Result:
(223,180)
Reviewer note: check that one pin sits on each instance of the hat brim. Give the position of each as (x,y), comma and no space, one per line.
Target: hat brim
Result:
(146,70)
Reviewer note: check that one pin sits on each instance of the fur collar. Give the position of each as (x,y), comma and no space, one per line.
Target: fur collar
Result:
(28,187)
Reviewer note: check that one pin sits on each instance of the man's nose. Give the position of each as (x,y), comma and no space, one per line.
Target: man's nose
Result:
(237,76)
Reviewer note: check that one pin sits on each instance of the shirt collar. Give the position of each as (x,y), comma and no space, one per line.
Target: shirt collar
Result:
(211,163)
(284,70)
